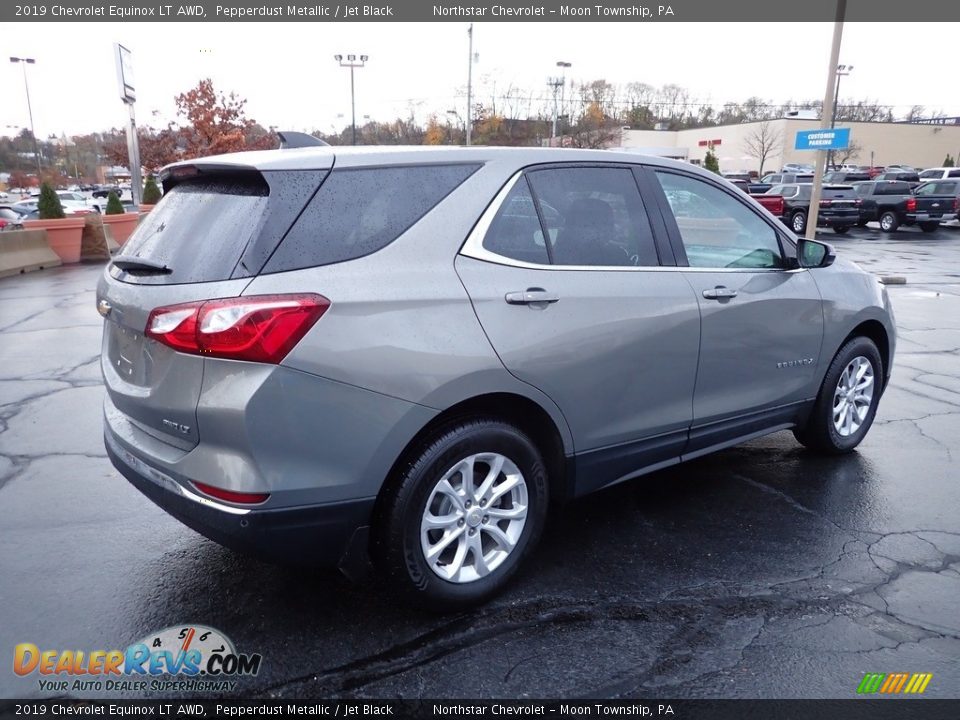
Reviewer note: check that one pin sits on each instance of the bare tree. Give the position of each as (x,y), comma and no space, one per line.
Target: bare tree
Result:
(851,152)
(761,142)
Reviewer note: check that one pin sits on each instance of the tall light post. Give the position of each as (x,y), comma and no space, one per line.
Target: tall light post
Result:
(842,71)
(564,66)
(26,86)
(352,63)
(470,62)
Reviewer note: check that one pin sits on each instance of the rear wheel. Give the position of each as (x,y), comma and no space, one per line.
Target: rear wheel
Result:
(929,227)
(889,222)
(847,402)
(798,222)
(455,525)
(862,223)
(841,229)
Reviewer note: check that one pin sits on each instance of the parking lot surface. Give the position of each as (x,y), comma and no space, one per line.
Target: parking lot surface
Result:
(761,571)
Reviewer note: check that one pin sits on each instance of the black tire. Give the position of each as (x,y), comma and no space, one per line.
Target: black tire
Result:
(841,229)
(396,543)
(929,227)
(862,223)
(798,222)
(819,433)
(889,222)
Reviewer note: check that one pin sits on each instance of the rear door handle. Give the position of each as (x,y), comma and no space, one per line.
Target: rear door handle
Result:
(719,293)
(531,296)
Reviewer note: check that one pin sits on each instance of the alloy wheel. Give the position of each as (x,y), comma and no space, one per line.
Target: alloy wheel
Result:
(474,517)
(853,396)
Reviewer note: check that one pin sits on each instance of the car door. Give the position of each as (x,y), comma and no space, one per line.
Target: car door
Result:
(564,271)
(761,315)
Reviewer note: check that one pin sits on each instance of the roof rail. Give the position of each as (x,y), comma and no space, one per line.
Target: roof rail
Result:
(291,139)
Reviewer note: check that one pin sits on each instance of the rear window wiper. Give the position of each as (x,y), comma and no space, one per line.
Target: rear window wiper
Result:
(143,265)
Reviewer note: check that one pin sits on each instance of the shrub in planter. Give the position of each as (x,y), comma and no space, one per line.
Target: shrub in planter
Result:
(63,233)
(114,206)
(49,206)
(121,223)
(151,192)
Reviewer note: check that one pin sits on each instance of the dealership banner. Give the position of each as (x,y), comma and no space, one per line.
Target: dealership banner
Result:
(855,709)
(479,10)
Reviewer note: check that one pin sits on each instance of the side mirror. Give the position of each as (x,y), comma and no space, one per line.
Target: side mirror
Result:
(814,254)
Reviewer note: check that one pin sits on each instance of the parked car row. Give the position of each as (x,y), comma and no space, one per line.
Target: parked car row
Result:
(847,200)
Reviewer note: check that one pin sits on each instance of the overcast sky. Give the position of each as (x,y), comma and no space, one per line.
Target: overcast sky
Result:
(288,75)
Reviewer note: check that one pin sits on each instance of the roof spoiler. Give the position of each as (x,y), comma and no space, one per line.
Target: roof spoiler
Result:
(291,139)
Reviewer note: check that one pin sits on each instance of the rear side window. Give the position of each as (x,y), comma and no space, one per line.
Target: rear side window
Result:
(515,232)
(201,227)
(359,211)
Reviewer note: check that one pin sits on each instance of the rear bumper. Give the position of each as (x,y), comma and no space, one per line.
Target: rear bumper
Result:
(919,217)
(838,220)
(315,535)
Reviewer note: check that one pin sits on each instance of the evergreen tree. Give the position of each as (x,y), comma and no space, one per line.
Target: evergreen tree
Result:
(49,205)
(114,206)
(711,163)
(151,193)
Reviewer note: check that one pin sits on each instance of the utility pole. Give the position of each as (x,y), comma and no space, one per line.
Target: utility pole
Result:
(825,121)
(555,83)
(470,84)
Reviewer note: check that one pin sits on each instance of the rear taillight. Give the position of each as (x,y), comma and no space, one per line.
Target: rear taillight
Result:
(956,204)
(231,496)
(858,202)
(911,204)
(260,328)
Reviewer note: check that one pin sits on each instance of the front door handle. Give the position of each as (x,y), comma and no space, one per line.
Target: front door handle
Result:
(719,293)
(531,296)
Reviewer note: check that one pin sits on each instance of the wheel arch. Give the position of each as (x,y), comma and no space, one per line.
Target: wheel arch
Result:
(517,409)
(876,332)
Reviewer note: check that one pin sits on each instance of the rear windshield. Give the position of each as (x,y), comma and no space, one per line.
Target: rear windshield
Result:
(359,211)
(200,228)
(931,174)
(839,193)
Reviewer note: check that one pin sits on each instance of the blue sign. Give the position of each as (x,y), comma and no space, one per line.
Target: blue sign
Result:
(835,139)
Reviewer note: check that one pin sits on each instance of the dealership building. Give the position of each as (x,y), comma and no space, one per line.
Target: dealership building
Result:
(920,144)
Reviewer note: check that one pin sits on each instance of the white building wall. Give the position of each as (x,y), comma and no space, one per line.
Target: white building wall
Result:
(905,143)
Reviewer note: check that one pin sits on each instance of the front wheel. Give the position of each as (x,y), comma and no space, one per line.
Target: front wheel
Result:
(847,402)
(929,227)
(456,523)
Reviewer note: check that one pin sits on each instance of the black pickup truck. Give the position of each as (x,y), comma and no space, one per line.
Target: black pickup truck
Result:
(893,203)
(839,206)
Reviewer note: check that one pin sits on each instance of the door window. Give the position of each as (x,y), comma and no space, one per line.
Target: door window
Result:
(717,230)
(594,216)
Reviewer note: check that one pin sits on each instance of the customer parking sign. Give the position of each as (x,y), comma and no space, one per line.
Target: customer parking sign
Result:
(833,139)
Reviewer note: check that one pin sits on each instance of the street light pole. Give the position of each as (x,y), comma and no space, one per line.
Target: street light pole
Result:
(36,147)
(842,71)
(563,85)
(470,84)
(352,63)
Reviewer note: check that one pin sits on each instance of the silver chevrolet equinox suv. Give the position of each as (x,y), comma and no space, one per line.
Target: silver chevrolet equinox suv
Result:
(323,355)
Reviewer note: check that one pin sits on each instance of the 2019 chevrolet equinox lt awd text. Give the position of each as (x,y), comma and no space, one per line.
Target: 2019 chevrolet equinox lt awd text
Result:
(314,354)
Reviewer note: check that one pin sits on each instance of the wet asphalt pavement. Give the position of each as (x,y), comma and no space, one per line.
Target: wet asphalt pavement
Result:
(761,571)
